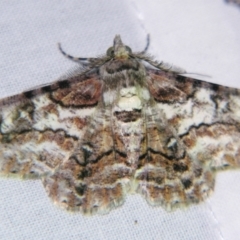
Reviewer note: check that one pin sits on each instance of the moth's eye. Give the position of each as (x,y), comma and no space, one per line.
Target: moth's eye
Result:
(110,51)
(128,49)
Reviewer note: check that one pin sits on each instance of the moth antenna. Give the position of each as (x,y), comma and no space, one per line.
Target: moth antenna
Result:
(147,44)
(75,59)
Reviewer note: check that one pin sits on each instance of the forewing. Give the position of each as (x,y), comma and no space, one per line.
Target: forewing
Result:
(206,117)
(39,129)
(192,131)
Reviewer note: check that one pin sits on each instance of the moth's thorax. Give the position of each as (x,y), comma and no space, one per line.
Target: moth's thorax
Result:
(117,65)
(117,74)
(125,90)
(126,98)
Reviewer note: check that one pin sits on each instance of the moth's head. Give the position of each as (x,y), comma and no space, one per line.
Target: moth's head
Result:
(119,50)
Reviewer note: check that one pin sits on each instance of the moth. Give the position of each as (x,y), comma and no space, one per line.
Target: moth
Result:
(122,123)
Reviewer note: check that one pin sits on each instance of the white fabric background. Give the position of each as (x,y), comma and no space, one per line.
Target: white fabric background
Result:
(201,36)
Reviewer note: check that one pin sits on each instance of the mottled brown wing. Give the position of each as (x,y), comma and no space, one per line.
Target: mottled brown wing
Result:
(193,131)
(39,129)
(64,134)
(95,179)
